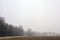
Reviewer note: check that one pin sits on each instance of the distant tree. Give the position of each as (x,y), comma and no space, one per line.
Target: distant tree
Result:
(11,30)
(21,30)
(33,33)
(29,32)
(2,27)
(6,29)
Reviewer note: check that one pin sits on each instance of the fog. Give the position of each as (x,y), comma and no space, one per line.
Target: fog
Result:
(39,15)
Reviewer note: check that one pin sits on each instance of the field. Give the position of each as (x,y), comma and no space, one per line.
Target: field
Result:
(29,38)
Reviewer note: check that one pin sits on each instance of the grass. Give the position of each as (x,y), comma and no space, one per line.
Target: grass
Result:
(30,38)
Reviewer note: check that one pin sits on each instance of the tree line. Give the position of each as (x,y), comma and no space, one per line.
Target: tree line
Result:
(10,30)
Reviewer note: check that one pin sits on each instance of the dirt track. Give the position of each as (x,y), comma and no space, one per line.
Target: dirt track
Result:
(29,38)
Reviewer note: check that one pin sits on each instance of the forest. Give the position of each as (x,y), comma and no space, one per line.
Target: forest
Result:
(11,30)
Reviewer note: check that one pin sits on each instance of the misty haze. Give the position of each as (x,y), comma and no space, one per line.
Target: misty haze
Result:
(29,18)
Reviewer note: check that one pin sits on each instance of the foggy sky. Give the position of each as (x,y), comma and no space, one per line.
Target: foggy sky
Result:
(39,15)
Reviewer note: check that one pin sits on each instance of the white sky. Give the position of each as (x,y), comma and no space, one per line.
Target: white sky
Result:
(39,15)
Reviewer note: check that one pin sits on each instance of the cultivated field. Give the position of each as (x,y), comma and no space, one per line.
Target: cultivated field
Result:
(29,38)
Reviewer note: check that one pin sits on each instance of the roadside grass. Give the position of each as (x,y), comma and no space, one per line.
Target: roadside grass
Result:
(30,38)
